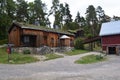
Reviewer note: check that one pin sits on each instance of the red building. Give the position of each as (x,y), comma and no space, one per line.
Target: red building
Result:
(110,37)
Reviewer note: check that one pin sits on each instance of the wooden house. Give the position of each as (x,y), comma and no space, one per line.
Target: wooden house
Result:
(110,37)
(79,33)
(21,34)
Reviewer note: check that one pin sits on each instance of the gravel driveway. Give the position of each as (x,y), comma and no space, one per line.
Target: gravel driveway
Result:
(63,69)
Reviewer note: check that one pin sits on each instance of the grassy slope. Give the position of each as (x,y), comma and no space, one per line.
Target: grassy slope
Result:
(75,52)
(52,56)
(90,59)
(15,58)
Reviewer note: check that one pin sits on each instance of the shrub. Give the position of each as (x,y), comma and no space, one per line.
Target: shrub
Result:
(99,57)
(3,41)
(90,59)
(26,51)
(79,43)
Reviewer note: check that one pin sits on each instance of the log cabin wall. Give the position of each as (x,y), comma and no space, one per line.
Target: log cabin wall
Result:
(45,38)
(14,36)
(50,39)
(67,42)
(72,41)
(41,37)
(53,39)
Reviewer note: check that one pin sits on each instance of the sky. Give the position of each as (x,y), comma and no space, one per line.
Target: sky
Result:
(111,7)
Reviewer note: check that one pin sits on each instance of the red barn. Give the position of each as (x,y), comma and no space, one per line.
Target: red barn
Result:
(110,37)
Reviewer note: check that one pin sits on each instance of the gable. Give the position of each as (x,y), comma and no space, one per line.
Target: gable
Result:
(13,27)
(110,28)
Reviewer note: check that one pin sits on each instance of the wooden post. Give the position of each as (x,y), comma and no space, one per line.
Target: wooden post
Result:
(9,52)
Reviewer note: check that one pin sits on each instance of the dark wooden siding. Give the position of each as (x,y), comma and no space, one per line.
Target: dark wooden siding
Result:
(39,34)
(53,39)
(14,36)
(50,39)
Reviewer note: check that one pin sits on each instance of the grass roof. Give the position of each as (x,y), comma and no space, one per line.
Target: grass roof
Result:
(42,28)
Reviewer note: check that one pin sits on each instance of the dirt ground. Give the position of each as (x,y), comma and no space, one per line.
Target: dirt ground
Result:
(63,69)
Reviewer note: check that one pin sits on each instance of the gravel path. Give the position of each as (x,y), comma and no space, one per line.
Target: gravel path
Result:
(63,69)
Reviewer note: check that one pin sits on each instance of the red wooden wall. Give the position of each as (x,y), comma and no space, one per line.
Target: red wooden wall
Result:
(110,41)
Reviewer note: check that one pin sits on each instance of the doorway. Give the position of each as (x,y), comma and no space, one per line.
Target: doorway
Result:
(112,50)
(28,40)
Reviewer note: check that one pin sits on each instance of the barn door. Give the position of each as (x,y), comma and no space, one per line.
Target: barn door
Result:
(112,50)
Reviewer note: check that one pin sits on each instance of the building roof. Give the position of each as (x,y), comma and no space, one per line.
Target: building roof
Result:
(110,28)
(64,37)
(42,28)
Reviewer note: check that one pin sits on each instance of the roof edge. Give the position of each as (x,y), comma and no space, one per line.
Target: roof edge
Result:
(21,25)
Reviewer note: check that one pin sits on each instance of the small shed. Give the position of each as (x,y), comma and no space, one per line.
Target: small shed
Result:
(65,40)
(110,37)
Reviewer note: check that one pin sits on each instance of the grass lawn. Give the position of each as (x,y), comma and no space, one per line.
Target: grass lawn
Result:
(15,58)
(75,52)
(90,59)
(52,56)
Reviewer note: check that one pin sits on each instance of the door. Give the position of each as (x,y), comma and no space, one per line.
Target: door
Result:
(28,40)
(112,50)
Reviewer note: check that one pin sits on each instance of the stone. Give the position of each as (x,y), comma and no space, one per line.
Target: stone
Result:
(44,50)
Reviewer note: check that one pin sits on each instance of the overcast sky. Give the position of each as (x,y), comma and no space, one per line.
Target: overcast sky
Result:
(111,7)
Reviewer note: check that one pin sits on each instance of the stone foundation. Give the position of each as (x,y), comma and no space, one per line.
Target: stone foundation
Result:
(21,49)
(43,50)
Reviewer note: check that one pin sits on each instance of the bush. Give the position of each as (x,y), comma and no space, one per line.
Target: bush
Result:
(79,43)
(99,57)
(90,59)
(26,51)
(3,41)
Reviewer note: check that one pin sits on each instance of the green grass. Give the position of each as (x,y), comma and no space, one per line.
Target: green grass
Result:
(52,56)
(15,58)
(90,59)
(75,52)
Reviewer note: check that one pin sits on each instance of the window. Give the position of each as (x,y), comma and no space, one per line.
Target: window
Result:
(26,39)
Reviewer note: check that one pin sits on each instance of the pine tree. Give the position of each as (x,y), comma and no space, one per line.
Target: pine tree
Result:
(31,13)
(91,19)
(11,9)
(6,15)
(40,14)
(62,14)
(56,12)
(100,14)
(78,18)
(68,16)
(22,11)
